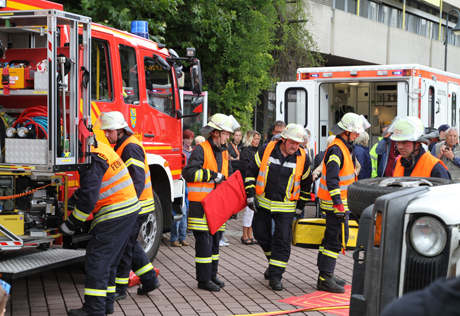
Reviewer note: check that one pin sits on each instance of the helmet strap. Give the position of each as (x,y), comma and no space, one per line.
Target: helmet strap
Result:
(412,156)
(348,137)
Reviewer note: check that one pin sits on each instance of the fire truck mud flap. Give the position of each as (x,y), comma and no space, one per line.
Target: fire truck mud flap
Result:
(151,230)
(364,192)
(374,283)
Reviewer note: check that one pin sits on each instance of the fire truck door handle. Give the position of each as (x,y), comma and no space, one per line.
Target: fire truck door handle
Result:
(356,254)
(149,135)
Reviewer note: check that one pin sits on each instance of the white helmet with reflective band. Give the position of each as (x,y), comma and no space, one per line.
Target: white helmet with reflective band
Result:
(112,121)
(354,123)
(220,122)
(406,129)
(294,132)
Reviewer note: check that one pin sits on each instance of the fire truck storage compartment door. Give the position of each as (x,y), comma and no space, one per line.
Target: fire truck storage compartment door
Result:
(28,151)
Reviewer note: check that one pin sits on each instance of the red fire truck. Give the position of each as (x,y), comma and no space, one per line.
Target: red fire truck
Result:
(59,72)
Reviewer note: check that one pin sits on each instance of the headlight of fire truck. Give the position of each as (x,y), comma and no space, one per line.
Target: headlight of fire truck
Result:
(428,236)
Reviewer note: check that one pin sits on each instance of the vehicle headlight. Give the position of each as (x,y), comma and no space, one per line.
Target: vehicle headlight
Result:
(428,236)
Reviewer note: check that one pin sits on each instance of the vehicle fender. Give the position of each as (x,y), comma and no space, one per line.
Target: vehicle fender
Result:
(157,160)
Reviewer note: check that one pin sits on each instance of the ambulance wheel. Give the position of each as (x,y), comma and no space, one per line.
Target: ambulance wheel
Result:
(364,192)
(151,230)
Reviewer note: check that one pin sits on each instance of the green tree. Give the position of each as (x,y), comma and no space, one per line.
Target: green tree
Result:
(244,46)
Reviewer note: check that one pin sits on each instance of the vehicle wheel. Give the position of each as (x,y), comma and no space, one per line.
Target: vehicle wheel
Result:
(151,230)
(364,192)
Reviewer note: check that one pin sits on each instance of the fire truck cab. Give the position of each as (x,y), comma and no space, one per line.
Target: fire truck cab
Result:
(321,96)
(59,72)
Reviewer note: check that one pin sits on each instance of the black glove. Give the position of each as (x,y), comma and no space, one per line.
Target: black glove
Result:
(67,228)
(219,178)
(252,203)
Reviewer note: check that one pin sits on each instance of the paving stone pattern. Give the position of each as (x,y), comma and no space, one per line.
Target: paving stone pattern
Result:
(241,267)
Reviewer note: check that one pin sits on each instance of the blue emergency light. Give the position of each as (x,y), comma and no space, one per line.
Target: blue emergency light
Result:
(140,28)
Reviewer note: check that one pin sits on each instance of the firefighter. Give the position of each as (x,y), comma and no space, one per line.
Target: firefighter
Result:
(339,172)
(207,167)
(132,152)
(281,190)
(108,192)
(414,160)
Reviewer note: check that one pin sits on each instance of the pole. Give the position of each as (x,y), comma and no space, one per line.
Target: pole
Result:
(440,20)
(445,41)
(404,15)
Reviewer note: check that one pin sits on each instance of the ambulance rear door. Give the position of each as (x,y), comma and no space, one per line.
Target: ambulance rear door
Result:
(295,104)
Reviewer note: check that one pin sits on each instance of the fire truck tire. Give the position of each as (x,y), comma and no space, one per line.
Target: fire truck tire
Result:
(364,192)
(152,230)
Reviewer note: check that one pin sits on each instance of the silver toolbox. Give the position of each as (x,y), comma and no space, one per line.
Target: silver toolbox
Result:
(27,151)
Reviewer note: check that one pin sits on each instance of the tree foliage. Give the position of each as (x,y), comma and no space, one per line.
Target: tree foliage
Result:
(244,46)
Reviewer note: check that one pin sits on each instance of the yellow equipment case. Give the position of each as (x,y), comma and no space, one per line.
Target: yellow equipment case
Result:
(309,233)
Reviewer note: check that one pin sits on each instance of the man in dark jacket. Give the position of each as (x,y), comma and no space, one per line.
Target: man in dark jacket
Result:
(278,183)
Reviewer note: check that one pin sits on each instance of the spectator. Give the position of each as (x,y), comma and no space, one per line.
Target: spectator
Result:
(234,149)
(449,153)
(388,150)
(251,143)
(278,127)
(306,145)
(442,131)
(187,143)
(363,156)
(199,139)
(442,297)
(3,300)
(374,157)
(179,229)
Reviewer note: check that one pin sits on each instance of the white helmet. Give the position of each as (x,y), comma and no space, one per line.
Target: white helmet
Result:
(220,122)
(354,123)
(406,129)
(294,132)
(112,121)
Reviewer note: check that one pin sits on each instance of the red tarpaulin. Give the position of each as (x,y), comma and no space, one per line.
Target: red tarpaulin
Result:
(227,199)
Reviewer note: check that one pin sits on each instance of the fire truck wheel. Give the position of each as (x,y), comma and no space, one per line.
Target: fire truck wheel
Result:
(364,192)
(151,231)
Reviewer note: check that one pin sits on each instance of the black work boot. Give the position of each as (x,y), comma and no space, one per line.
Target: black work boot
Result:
(275,284)
(119,296)
(208,286)
(148,286)
(326,283)
(266,276)
(338,281)
(77,312)
(218,282)
(109,310)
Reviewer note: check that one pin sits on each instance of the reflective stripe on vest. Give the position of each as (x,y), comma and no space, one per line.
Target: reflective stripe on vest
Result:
(197,191)
(147,193)
(423,167)
(347,174)
(117,186)
(297,170)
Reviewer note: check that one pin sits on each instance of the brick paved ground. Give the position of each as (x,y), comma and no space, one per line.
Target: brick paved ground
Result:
(241,267)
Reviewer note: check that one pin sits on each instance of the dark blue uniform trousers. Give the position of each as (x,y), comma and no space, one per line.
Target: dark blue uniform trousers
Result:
(277,248)
(103,253)
(332,242)
(134,258)
(206,254)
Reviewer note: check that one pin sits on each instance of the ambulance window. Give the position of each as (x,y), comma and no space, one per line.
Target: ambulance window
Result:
(159,86)
(296,106)
(101,79)
(128,63)
(454,109)
(431,107)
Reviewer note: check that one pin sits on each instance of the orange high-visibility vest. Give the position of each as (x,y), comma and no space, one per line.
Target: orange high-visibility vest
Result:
(423,167)
(117,185)
(197,191)
(347,174)
(263,172)
(147,192)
